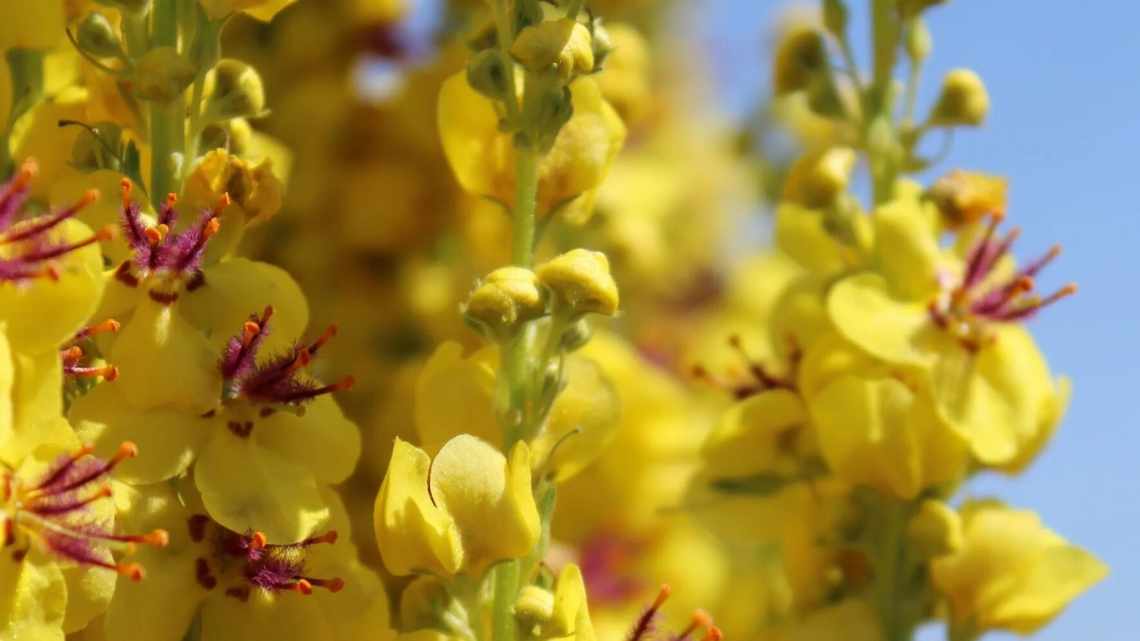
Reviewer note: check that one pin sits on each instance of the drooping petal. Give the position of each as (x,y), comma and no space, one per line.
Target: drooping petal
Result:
(247,487)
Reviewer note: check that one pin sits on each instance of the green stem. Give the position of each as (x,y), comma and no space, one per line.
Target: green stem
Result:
(506,590)
(885,38)
(890,572)
(167,119)
(526,195)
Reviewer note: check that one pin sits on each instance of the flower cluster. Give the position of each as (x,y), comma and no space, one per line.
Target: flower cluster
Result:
(500,364)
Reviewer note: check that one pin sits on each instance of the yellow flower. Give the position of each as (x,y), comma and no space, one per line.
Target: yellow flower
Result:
(581,280)
(255,194)
(458,512)
(253,445)
(59,532)
(1012,573)
(625,76)
(240,585)
(483,158)
(877,428)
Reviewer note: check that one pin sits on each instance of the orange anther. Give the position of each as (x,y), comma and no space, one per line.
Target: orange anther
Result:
(211,228)
(127,449)
(157,538)
(258,540)
(303,586)
(132,570)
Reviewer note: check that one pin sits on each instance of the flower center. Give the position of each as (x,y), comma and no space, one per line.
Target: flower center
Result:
(28,248)
(163,260)
(56,511)
(755,377)
(983,294)
(247,561)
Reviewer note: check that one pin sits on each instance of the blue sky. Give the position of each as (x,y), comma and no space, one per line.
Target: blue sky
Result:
(1064,127)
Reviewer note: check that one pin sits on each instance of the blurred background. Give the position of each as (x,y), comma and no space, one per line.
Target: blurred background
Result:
(1064,126)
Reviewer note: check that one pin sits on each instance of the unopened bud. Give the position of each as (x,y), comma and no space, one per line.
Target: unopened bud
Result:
(534,606)
(97,37)
(964,197)
(162,75)
(233,90)
(935,529)
(919,42)
(800,55)
(962,101)
(565,45)
(581,279)
(817,179)
(550,111)
(601,42)
(487,74)
(504,298)
(835,17)
(577,335)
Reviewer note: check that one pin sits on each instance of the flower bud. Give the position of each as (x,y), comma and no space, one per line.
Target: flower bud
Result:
(97,37)
(564,44)
(963,100)
(233,135)
(577,335)
(233,90)
(935,529)
(964,197)
(487,74)
(918,41)
(581,279)
(534,606)
(549,112)
(505,297)
(162,75)
(817,179)
(835,17)
(800,55)
(601,41)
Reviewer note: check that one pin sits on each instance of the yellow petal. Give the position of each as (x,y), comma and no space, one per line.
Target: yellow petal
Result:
(489,497)
(164,361)
(582,422)
(456,395)
(747,439)
(238,287)
(168,439)
(33,599)
(867,314)
(246,487)
(41,315)
(322,440)
(412,532)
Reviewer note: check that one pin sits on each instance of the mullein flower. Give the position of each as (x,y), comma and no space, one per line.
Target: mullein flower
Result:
(58,527)
(959,319)
(252,449)
(457,512)
(238,584)
(1011,572)
(49,265)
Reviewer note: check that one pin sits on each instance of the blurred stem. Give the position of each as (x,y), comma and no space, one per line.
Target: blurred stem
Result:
(890,571)
(885,34)
(26,71)
(506,590)
(194,632)
(166,118)
(526,196)
(206,52)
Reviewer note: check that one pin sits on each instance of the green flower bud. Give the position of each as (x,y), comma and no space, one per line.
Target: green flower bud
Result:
(487,74)
(534,606)
(918,41)
(581,280)
(565,45)
(601,42)
(800,55)
(162,75)
(935,529)
(98,147)
(233,90)
(233,135)
(835,17)
(506,297)
(97,37)
(549,108)
(577,335)
(962,101)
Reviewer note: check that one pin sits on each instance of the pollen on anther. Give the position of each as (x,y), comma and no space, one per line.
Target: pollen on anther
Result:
(133,571)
